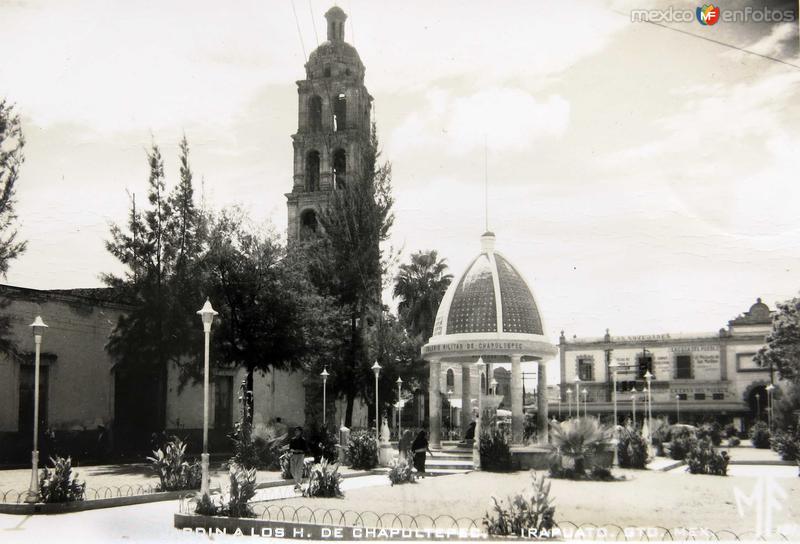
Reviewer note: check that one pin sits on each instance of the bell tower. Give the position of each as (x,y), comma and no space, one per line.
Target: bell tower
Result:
(334,118)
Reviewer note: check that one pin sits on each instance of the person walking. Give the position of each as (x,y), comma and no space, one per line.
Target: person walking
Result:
(298,447)
(420,448)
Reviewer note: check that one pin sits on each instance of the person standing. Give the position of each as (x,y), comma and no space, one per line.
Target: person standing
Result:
(420,449)
(298,447)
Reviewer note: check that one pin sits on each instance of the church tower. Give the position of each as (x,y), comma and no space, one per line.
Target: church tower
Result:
(334,117)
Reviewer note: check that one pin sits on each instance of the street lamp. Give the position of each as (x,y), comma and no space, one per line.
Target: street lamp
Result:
(207,314)
(569,401)
(613,367)
(633,399)
(585,400)
(758,406)
(577,397)
(648,378)
(376,368)
(769,389)
(399,407)
(677,408)
(324,375)
(38,327)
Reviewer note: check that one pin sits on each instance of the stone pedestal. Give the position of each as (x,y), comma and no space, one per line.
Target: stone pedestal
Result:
(386,454)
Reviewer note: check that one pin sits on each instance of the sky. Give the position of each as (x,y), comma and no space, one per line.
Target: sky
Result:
(644,179)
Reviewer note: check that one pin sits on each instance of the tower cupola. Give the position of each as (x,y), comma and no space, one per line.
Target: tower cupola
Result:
(336,18)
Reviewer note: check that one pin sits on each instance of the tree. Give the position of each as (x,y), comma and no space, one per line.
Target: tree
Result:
(347,263)
(159,247)
(270,315)
(782,350)
(12,143)
(420,285)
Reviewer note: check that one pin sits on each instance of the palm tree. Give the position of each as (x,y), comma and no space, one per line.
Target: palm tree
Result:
(420,286)
(580,440)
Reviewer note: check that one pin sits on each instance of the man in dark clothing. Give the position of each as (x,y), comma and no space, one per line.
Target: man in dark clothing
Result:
(298,447)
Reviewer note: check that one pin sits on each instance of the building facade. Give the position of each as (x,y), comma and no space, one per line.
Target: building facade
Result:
(334,124)
(694,376)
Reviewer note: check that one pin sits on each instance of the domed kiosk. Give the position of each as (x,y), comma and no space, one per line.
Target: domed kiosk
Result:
(489,312)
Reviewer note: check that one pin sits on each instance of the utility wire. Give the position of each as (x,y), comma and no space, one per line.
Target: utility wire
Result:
(300,34)
(313,23)
(712,40)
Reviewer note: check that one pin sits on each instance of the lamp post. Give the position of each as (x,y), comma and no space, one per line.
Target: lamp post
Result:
(569,401)
(677,408)
(577,397)
(648,378)
(38,326)
(613,367)
(207,314)
(476,456)
(376,368)
(399,407)
(585,394)
(324,375)
(633,400)
(769,389)
(758,406)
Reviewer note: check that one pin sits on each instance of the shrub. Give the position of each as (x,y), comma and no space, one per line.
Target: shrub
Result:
(530,428)
(362,450)
(174,472)
(401,472)
(760,435)
(494,451)
(682,441)
(730,431)
(734,441)
(534,512)
(59,485)
(660,434)
(632,449)
(324,480)
(267,453)
(787,444)
(703,458)
(242,489)
(579,442)
(206,507)
(712,431)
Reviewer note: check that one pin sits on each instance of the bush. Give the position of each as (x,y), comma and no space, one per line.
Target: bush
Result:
(362,450)
(174,472)
(530,428)
(522,513)
(267,453)
(703,458)
(206,507)
(712,431)
(242,489)
(59,485)
(660,434)
(324,481)
(787,444)
(734,441)
(730,431)
(682,441)
(575,445)
(760,435)
(632,449)
(494,451)
(401,472)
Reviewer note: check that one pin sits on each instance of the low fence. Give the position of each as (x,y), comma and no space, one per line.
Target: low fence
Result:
(13,501)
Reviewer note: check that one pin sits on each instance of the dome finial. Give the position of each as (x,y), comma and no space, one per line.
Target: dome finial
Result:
(336,18)
(487,242)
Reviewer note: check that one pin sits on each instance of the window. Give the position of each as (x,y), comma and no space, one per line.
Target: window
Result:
(340,113)
(450,379)
(586,370)
(223,402)
(327,71)
(718,396)
(699,396)
(683,367)
(312,171)
(315,114)
(682,396)
(26,398)
(308,223)
(339,168)
(645,364)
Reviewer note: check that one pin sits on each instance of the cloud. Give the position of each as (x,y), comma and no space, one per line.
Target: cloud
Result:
(507,119)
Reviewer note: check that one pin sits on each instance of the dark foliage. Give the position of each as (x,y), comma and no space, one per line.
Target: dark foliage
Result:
(632,449)
(495,451)
(703,458)
(760,435)
(58,484)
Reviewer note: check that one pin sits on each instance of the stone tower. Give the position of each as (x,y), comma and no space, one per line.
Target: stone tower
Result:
(334,117)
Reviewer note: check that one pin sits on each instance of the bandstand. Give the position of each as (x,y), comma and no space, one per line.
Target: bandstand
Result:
(489,313)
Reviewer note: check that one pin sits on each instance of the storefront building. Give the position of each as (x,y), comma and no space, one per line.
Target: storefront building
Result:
(695,377)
